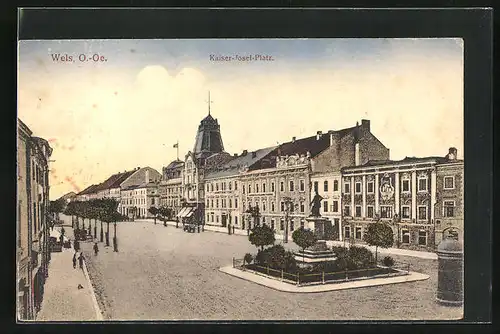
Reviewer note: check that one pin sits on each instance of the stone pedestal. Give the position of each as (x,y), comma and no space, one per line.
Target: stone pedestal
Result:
(317,225)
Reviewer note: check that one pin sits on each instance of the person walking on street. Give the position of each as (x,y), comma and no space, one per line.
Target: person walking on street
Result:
(81,258)
(96,248)
(74,261)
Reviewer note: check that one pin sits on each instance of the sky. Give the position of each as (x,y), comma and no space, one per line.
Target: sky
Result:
(127,109)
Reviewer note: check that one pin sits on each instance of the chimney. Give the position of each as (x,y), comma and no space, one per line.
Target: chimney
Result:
(293,139)
(318,135)
(452,154)
(244,153)
(365,124)
(235,155)
(147,176)
(254,154)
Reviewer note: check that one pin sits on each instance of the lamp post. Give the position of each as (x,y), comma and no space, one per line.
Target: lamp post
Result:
(115,241)
(288,206)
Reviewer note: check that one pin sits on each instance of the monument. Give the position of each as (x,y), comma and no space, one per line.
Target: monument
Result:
(319,252)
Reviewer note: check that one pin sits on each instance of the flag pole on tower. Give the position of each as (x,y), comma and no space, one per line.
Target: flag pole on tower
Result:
(176,145)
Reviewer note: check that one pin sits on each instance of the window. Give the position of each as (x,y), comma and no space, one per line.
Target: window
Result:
(216,187)
(243,189)
(263,220)
(152,201)
(422,213)
(282,225)
(405,213)
(217,203)
(335,207)
(229,185)
(272,186)
(347,210)
(325,186)
(256,188)
(211,203)
(405,236)
(335,185)
(272,206)
(302,207)
(272,224)
(302,185)
(325,206)
(291,186)
(282,186)
(449,182)
(358,210)
(249,189)
(449,208)
(422,184)
(208,188)
(347,188)
(282,206)
(406,186)
(236,188)
(216,219)
(302,223)
(369,211)
(291,206)
(292,227)
(347,232)
(230,203)
(235,220)
(385,211)
(236,203)
(369,187)
(263,206)
(316,186)
(422,238)
(263,187)
(358,232)
(358,188)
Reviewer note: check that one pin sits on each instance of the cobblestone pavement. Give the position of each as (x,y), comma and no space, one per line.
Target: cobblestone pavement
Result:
(165,273)
(63,301)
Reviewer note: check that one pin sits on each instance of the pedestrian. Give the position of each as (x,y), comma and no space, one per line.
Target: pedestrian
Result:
(74,261)
(233,229)
(81,258)
(61,239)
(96,248)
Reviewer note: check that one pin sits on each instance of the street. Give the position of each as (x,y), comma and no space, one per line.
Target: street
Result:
(163,273)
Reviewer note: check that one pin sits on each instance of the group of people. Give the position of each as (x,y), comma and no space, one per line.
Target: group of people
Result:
(79,256)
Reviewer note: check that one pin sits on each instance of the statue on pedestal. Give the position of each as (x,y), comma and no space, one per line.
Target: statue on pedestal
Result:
(316,205)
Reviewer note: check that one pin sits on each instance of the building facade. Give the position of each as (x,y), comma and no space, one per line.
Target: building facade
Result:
(403,194)
(450,197)
(170,188)
(33,254)
(139,192)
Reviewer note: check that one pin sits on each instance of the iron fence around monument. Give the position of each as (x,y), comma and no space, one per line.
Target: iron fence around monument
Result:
(302,279)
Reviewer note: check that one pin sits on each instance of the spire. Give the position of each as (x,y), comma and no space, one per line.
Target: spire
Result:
(209,102)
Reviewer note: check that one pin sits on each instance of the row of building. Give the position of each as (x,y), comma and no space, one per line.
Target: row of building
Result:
(350,168)
(33,253)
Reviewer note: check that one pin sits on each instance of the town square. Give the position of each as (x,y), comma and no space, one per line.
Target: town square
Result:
(187,188)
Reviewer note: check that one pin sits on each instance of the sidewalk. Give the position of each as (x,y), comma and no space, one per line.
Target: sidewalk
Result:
(387,251)
(62,300)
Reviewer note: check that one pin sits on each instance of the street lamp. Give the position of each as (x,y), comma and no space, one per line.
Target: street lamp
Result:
(288,206)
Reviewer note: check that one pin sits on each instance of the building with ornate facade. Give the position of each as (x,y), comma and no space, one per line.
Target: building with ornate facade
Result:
(170,188)
(33,253)
(403,194)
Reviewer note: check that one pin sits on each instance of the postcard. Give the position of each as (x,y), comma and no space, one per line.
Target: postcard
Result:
(240,179)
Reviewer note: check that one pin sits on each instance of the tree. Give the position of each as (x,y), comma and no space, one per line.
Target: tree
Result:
(56,207)
(262,236)
(304,239)
(254,212)
(154,211)
(165,214)
(379,235)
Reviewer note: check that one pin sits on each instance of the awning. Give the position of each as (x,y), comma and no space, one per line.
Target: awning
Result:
(190,213)
(182,212)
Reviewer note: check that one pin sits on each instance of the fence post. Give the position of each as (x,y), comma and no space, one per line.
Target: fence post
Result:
(298,274)
(233,262)
(323,277)
(282,275)
(346,275)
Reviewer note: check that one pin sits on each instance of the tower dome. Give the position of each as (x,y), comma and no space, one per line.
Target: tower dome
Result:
(208,138)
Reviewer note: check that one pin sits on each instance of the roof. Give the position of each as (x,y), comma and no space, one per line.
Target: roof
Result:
(233,167)
(120,179)
(175,164)
(88,190)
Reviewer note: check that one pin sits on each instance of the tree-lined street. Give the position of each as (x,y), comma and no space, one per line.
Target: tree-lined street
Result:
(165,273)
